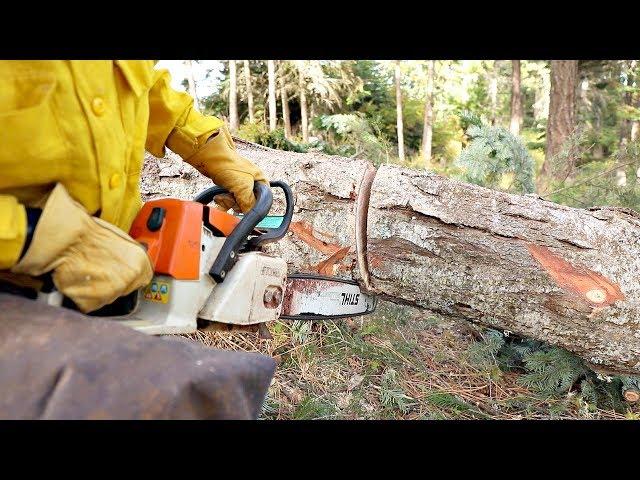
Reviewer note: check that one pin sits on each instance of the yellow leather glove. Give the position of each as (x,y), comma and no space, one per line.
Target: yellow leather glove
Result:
(219,160)
(93,262)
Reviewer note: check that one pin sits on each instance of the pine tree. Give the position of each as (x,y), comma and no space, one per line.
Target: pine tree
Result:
(552,371)
(494,153)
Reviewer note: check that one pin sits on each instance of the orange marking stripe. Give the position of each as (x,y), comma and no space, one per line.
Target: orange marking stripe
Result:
(594,288)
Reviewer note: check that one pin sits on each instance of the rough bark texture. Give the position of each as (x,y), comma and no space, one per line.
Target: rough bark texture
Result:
(563,275)
(516,99)
(562,117)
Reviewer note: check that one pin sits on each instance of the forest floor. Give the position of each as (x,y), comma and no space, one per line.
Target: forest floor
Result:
(398,363)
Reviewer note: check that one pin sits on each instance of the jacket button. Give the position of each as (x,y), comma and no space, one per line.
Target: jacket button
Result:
(115,180)
(98,106)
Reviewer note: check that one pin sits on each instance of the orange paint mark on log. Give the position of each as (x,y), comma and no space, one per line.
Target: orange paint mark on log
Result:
(326,266)
(337,253)
(374,260)
(305,232)
(594,288)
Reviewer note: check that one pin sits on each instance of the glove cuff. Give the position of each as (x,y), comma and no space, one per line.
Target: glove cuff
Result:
(62,222)
(217,154)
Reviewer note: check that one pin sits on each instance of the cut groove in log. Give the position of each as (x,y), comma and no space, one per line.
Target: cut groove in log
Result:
(362,215)
(550,272)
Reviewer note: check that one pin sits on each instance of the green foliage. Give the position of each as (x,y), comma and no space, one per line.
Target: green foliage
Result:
(608,101)
(494,153)
(352,135)
(448,137)
(391,394)
(550,371)
(312,408)
(612,182)
(447,401)
(486,352)
(300,331)
(270,409)
(258,133)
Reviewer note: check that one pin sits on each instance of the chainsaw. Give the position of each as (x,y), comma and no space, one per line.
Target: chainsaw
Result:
(209,267)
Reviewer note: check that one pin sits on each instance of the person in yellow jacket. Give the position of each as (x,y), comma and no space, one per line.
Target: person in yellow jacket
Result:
(72,142)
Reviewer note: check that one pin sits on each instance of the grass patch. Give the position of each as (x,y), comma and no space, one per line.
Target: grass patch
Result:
(314,409)
(400,363)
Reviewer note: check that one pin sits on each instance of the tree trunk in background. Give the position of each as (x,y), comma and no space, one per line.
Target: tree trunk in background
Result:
(398,78)
(285,113)
(626,127)
(247,83)
(541,97)
(493,92)
(562,117)
(635,124)
(271,69)
(312,114)
(516,99)
(304,120)
(233,97)
(558,274)
(427,133)
(192,84)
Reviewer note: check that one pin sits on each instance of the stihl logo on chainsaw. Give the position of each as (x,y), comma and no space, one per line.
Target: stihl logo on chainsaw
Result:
(350,298)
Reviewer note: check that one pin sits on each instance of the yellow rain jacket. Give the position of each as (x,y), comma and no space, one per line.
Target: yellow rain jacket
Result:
(86,124)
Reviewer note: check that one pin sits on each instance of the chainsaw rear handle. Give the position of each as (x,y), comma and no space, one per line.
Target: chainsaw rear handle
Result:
(228,255)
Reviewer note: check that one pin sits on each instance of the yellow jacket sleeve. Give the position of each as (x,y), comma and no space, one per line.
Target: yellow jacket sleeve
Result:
(173,122)
(13,228)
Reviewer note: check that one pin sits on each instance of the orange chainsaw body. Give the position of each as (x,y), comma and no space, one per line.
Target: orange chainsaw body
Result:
(171,230)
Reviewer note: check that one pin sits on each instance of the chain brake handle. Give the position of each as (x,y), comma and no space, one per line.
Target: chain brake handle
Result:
(239,237)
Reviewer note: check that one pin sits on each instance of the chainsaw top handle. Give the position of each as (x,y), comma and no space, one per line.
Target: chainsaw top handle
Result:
(239,237)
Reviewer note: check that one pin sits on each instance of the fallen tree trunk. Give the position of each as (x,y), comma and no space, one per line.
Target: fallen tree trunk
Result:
(562,275)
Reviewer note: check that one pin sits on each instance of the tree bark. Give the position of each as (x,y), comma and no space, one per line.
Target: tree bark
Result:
(399,126)
(516,99)
(304,120)
(247,83)
(233,97)
(558,274)
(427,133)
(562,118)
(192,84)
(285,113)
(271,71)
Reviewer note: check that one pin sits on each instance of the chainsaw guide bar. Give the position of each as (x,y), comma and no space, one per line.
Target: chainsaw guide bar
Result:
(316,297)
